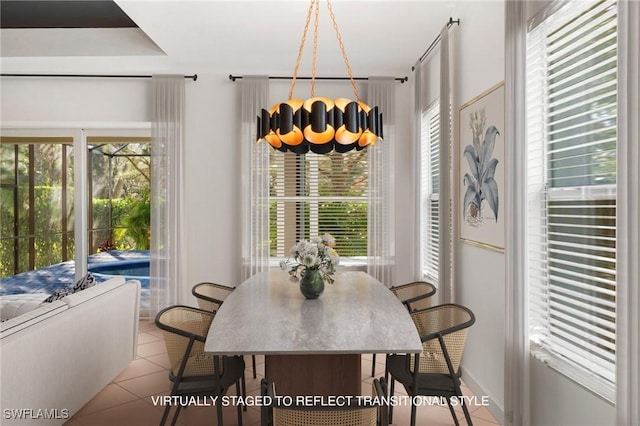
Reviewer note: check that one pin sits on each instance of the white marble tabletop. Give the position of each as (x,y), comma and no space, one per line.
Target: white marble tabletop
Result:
(268,315)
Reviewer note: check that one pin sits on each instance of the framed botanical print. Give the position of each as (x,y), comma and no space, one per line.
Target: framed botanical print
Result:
(481,150)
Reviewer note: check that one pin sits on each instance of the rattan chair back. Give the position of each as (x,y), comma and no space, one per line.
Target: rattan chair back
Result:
(210,295)
(415,295)
(180,325)
(301,417)
(448,322)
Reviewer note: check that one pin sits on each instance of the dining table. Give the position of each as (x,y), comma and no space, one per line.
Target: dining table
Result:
(312,346)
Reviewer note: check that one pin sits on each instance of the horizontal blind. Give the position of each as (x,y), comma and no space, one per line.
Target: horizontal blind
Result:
(430,184)
(314,194)
(571,224)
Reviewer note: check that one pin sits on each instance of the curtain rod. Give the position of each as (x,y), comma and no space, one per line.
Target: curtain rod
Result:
(433,44)
(236,77)
(193,77)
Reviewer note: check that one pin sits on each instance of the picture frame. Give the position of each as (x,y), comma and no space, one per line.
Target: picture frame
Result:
(481,164)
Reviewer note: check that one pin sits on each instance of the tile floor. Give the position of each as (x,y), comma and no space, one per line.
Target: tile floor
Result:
(127,400)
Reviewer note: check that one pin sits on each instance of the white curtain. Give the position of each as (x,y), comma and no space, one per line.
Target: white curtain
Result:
(381,200)
(628,217)
(516,381)
(446,288)
(424,96)
(419,104)
(255,178)
(167,274)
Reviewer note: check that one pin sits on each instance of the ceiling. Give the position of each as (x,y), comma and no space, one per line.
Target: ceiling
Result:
(62,14)
(234,37)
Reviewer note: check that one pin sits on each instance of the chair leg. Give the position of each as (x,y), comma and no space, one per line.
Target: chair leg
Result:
(253,364)
(459,394)
(165,414)
(243,384)
(393,387)
(175,415)
(413,413)
(373,366)
(467,416)
(453,413)
(243,405)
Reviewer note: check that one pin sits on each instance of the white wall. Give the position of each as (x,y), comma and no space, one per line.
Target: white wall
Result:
(477,54)
(74,100)
(212,180)
(557,400)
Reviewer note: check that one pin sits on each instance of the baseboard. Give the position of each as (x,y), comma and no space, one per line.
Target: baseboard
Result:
(497,410)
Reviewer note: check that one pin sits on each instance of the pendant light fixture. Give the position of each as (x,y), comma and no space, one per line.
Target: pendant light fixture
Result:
(320,124)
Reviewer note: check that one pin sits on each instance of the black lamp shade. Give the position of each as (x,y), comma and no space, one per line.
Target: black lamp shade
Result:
(320,125)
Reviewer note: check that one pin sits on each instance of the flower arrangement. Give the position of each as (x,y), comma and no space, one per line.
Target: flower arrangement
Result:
(317,254)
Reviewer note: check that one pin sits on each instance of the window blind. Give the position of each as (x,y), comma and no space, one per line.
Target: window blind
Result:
(571,191)
(430,184)
(313,194)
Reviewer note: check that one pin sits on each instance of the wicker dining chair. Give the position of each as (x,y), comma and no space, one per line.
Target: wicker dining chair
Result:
(352,412)
(443,331)
(210,297)
(193,372)
(414,296)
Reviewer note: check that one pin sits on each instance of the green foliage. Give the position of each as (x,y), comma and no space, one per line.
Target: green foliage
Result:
(125,220)
(130,221)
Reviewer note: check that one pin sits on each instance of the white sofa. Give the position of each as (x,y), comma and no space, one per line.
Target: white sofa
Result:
(58,356)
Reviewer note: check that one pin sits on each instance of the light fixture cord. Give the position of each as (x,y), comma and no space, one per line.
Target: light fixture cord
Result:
(301,49)
(344,54)
(314,59)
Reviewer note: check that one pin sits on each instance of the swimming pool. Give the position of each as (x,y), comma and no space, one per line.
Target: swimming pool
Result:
(130,269)
(133,269)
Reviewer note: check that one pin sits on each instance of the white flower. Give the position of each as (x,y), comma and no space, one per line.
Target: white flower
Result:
(309,260)
(328,239)
(333,257)
(315,253)
(302,247)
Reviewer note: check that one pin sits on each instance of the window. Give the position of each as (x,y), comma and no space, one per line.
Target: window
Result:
(36,203)
(571,185)
(430,187)
(119,184)
(313,194)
